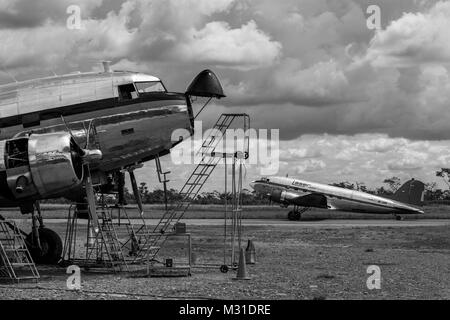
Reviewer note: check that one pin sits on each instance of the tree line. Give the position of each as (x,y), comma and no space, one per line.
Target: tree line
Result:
(389,187)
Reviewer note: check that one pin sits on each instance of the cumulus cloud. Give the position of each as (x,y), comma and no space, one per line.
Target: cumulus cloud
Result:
(349,102)
(310,165)
(290,154)
(414,39)
(168,32)
(52,44)
(381,144)
(17,14)
(315,157)
(217,43)
(365,157)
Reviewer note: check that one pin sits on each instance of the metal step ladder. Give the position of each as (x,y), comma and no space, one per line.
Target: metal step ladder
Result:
(15,260)
(155,239)
(106,247)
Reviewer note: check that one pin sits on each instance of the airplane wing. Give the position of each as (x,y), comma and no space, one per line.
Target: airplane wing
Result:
(316,200)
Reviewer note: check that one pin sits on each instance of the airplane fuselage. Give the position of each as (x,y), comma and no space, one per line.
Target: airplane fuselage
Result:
(129,116)
(340,199)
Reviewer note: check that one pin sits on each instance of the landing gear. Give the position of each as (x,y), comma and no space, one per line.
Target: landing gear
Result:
(45,245)
(50,249)
(294,215)
(398,218)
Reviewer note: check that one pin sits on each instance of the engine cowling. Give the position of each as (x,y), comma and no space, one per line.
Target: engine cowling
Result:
(41,165)
(282,197)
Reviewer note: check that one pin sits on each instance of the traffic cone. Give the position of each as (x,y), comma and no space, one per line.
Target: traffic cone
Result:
(242,269)
(250,253)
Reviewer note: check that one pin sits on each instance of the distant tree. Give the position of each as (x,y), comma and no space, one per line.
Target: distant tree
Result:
(143,190)
(361,186)
(444,173)
(431,193)
(381,191)
(394,183)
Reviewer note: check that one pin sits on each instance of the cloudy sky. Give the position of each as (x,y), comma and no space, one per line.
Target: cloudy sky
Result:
(352,103)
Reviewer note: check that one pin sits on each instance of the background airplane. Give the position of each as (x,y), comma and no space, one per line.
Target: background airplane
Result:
(304,195)
(70,135)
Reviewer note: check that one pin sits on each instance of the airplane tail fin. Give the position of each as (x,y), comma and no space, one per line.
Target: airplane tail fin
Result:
(411,192)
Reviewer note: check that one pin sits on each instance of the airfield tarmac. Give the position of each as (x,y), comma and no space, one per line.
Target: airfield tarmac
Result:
(303,224)
(325,259)
(325,223)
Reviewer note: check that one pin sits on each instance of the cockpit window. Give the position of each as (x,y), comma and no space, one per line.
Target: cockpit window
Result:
(127,92)
(149,87)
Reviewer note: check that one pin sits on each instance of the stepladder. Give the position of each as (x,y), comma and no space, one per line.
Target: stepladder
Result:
(197,179)
(16,263)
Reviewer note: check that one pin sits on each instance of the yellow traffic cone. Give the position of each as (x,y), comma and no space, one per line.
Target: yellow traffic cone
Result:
(242,269)
(250,253)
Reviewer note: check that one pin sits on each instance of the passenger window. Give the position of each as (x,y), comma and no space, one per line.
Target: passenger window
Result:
(127,92)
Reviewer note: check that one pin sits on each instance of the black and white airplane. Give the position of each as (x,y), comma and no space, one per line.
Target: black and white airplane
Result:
(68,135)
(303,195)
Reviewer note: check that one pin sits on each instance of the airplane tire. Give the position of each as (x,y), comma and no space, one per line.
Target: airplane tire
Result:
(398,218)
(294,215)
(51,245)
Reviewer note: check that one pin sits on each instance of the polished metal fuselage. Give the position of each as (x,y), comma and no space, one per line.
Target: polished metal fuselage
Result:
(339,199)
(127,131)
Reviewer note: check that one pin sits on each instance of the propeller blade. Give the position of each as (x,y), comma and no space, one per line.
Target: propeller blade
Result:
(70,132)
(90,196)
(137,194)
(88,155)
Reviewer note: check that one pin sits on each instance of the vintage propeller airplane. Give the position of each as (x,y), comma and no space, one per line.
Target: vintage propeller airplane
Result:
(304,195)
(66,136)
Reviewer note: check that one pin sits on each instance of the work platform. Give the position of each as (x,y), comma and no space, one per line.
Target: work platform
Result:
(124,244)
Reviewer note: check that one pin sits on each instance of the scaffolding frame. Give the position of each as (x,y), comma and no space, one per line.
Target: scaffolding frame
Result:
(106,248)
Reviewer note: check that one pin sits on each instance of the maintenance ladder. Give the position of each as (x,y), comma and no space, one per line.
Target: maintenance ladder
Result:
(15,260)
(154,240)
(102,249)
(107,240)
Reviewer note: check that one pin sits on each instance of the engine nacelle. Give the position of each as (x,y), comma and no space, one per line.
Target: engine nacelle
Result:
(40,165)
(282,197)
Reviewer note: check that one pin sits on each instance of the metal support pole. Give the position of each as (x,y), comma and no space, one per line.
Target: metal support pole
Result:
(225,216)
(137,194)
(163,180)
(37,205)
(35,231)
(233,220)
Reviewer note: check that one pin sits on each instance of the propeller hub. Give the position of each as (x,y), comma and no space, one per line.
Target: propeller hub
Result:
(92,155)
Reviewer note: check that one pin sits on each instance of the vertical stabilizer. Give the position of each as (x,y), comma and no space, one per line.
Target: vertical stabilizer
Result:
(411,192)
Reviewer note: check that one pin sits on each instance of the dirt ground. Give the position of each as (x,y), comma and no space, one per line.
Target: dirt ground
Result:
(292,263)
